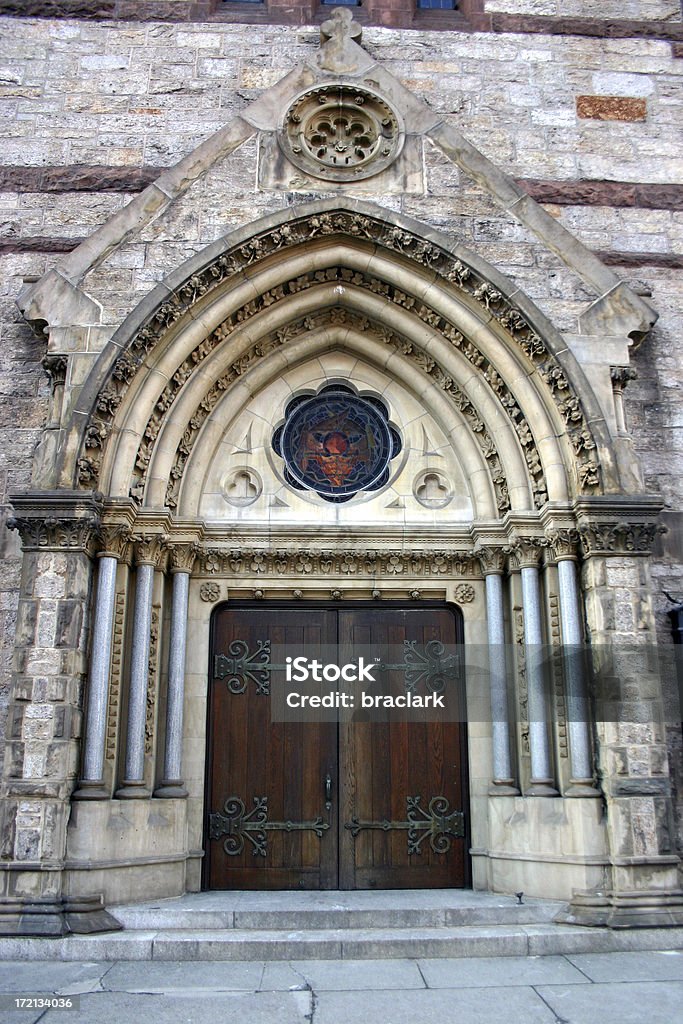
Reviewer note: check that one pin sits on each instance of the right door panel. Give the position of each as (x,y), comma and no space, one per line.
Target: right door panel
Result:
(402,784)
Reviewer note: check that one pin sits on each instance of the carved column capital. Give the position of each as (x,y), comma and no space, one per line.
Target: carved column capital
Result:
(115,540)
(492,560)
(149,548)
(56,520)
(621,375)
(183,556)
(563,544)
(526,551)
(618,538)
(55,366)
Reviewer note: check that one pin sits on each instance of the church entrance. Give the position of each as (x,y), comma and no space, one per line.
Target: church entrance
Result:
(353,803)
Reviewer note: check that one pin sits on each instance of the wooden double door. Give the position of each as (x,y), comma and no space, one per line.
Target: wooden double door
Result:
(346,804)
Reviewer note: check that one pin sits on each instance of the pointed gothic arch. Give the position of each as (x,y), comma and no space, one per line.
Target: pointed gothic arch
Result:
(251,297)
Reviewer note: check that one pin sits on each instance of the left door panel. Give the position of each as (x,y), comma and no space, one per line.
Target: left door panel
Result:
(268,823)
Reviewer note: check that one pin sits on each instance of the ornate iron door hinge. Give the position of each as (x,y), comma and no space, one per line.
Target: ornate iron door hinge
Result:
(436,823)
(240,665)
(425,665)
(236,824)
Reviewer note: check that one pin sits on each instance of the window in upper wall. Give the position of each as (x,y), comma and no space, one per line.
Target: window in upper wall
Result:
(340,3)
(437,5)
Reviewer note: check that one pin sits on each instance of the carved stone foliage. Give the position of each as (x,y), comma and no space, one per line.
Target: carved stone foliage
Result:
(526,551)
(341,132)
(55,366)
(464,593)
(492,560)
(183,556)
(563,543)
(115,540)
(149,548)
(618,538)
(53,532)
(360,227)
(245,562)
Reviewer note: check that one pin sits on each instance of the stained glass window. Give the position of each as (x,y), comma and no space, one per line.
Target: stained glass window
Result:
(337,443)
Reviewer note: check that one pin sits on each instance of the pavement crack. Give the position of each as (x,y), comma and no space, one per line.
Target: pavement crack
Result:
(579,969)
(310,1017)
(421,973)
(110,968)
(558,1019)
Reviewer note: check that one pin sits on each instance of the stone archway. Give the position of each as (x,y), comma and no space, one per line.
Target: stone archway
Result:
(533,447)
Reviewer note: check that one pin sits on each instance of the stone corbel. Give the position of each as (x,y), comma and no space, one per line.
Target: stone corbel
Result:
(619,312)
(55,302)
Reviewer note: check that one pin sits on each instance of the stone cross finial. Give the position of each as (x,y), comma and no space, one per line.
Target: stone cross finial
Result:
(338,38)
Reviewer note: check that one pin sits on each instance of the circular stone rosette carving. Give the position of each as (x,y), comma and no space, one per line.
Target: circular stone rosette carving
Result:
(464,593)
(209,592)
(341,132)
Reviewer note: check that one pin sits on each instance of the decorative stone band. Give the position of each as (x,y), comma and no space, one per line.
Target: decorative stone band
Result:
(361,229)
(249,562)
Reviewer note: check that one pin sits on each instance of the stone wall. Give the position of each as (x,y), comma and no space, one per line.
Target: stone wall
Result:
(93,107)
(664,10)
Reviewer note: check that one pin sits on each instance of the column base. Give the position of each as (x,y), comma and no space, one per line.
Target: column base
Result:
(584,788)
(503,787)
(132,789)
(541,787)
(171,789)
(605,909)
(91,789)
(82,915)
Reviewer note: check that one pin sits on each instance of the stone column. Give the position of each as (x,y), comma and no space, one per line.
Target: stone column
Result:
(643,890)
(564,550)
(182,559)
(527,553)
(92,785)
(148,551)
(493,566)
(58,529)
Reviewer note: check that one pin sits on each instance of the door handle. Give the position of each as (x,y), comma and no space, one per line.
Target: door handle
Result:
(328,792)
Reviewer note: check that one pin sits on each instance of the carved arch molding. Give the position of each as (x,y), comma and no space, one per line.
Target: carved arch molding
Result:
(582,454)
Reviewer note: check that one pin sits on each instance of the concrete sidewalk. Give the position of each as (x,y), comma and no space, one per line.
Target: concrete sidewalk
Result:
(609,988)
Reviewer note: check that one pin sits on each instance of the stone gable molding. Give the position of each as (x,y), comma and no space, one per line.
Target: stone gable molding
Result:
(56,298)
(458,275)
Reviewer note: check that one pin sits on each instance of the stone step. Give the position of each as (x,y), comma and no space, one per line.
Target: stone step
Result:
(335,944)
(151,917)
